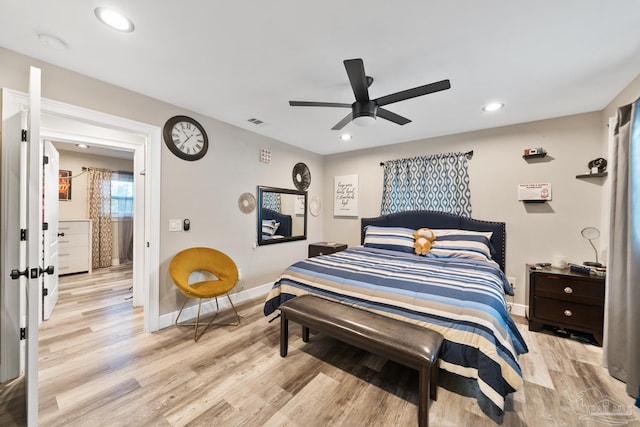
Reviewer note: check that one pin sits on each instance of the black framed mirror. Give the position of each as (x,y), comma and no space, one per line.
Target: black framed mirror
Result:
(282,215)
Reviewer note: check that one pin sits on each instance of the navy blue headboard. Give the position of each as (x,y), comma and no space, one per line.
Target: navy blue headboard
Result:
(285,221)
(433,219)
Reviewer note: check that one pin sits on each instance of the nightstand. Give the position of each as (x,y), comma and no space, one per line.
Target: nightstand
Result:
(566,299)
(325,248)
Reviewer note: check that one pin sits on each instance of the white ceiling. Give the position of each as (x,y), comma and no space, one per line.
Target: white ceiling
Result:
(237,60)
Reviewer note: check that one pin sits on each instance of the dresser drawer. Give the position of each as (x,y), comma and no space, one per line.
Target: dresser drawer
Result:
(72,264)
(72,241)
(74,246)
(73,227)
(569,289)
(581,316)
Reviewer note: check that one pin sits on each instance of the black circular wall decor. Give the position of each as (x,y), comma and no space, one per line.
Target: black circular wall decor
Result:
(301,176)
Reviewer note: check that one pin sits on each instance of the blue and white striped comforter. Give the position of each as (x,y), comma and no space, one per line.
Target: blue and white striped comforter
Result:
(463,299)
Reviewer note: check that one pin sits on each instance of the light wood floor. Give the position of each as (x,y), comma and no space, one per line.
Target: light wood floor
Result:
(97,368)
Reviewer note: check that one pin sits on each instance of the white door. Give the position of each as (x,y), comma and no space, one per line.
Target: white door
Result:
(50,232)
(34,246)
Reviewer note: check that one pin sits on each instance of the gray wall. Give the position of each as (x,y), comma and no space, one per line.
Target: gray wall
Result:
(535,232)
(205,191)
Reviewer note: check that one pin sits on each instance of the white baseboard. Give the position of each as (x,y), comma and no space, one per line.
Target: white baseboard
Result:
(518,309)
(209,306)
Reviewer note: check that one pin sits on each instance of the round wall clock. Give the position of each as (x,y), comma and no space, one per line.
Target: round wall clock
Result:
(185,137)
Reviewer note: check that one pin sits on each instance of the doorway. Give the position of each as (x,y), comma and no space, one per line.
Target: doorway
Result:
(69,123)
(78,251)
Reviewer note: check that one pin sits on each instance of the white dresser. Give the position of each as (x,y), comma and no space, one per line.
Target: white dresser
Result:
(74,247)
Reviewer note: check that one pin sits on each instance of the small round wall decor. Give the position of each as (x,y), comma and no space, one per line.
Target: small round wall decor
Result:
(246,203)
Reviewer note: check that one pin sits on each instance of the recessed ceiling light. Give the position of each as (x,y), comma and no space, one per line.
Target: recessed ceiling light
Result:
(345,137)
(114,19)
(82,146)
(52,42)
(493,106)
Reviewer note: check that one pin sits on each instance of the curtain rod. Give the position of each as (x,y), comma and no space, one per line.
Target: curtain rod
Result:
(84,169)
(469,155)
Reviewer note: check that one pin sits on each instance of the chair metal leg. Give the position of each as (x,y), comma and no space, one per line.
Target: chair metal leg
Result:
(197,324)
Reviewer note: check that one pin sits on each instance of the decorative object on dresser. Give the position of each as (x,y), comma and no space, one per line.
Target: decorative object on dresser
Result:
(565,299)
(591,233)
(324,248)
(74,246)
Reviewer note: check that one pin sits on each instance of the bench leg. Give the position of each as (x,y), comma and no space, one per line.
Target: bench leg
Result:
(284,335)
(305,334)
(434,382)
(423,395)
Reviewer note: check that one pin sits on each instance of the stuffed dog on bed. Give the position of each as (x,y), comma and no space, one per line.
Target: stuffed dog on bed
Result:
(424,237)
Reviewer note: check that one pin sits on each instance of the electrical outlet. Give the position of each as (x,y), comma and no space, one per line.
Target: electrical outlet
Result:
(512,282)
(239,273)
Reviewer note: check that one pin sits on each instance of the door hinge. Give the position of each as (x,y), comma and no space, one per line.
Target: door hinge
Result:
(24,135)
(23,234)
(45,226)
(45,292)
(45,160)
(23,334)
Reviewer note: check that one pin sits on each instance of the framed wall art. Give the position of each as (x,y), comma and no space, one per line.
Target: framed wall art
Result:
(64,185)
(345,198)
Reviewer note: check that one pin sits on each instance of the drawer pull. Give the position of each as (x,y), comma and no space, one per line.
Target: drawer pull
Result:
(568,313)
(568,290)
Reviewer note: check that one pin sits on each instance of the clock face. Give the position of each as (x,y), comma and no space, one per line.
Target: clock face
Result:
(186,138)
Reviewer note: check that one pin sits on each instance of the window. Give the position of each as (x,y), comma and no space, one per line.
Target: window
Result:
(122,195)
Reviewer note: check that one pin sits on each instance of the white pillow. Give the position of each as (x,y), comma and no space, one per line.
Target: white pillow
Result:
(269,226)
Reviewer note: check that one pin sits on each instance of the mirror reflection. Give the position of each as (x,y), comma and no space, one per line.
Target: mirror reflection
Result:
(282,215)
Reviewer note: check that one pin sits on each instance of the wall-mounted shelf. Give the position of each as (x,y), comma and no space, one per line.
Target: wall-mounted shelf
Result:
(592,175)
(534,156)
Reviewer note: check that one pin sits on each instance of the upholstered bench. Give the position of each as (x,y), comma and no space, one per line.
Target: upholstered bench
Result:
(405,343)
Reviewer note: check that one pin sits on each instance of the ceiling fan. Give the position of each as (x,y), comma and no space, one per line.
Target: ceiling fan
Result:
(364,111)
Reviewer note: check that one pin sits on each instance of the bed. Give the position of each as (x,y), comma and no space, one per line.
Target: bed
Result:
(457,289)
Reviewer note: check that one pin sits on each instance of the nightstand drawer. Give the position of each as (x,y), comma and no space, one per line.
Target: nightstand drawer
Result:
(569,289)
(582,316)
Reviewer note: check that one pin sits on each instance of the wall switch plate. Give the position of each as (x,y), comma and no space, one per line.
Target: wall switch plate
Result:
(175,225)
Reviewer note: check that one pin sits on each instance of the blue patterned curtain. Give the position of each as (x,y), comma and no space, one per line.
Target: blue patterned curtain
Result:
(439,182)
(271,201)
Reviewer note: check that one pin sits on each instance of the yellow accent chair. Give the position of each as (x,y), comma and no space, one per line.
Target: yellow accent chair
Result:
(205,261)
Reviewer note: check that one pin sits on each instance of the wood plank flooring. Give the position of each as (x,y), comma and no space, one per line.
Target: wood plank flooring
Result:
(97,368)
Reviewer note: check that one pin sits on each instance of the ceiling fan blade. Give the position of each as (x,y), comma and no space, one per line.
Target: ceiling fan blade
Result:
(413,93)
(392,117)
(318,104)
(357,78)
(342,123)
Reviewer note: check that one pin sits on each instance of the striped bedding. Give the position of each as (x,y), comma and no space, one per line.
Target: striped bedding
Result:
(463,299)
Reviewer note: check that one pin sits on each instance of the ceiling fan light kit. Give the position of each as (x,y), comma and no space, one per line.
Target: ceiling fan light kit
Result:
(364,110)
